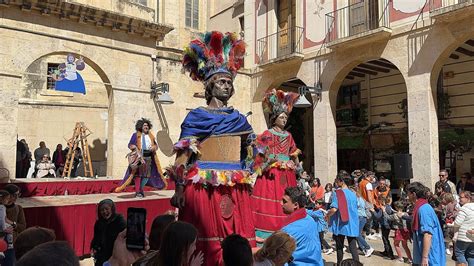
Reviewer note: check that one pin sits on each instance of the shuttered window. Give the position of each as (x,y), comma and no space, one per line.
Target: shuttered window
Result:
(192,14)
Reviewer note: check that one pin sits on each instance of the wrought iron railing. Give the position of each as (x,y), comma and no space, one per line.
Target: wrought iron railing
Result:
(357,18)
(440,5)
(280,44)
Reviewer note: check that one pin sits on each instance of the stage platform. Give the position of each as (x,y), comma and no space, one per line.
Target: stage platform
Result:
(69,206)
(35,187)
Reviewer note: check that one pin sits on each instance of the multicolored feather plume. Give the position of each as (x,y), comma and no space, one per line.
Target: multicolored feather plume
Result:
(276,102)
(212,53)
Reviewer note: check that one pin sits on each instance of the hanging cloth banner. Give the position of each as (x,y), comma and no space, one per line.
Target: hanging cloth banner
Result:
(67,77)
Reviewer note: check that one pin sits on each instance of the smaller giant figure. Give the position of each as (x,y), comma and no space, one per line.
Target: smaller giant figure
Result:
(144,165)
(66,76)
(279,166)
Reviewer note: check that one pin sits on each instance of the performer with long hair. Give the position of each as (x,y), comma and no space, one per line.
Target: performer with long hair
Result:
(144,165)
(212,179)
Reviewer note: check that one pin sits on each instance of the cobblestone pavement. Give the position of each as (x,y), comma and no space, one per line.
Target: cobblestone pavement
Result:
(376,258)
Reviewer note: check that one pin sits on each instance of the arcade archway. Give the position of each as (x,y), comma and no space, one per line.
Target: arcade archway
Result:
(371,117)
(455,101)
(45,114)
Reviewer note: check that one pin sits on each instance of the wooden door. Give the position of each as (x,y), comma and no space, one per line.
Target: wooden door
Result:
(357,16)
(286,22)
(373,14)
(363,15)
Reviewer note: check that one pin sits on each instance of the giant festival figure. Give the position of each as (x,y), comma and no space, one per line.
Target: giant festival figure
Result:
(212,179)
(278,169)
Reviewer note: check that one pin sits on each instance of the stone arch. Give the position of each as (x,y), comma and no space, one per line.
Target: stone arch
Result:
(447,47)
(274,77)
(451,84)
(101,124)
(383,115)
(89,62)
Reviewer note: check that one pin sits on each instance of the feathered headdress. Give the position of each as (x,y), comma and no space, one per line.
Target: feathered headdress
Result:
(213,53)
(276,102)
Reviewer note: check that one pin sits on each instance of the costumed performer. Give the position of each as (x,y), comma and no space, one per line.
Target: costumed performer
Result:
(343,218)
(278,169)
(212,182)
(144,165)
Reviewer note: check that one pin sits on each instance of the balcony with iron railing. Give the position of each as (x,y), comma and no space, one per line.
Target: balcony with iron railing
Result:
(451,9)
(284,45)
(359,23)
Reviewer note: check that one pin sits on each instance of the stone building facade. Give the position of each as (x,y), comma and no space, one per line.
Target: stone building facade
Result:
(395,77)
(391,77)
(126,45)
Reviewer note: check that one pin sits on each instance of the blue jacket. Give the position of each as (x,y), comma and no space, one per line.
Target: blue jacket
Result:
(318,217)
(308,247)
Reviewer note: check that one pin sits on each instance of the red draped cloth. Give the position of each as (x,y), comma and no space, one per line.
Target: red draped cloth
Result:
(217,212)
(269,188)
(73,187)
(75,224)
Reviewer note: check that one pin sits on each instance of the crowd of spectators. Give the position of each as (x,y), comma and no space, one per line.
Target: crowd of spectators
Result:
(420,227)
(43,165)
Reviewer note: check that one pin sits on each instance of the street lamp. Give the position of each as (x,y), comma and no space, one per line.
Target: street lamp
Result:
(160,93)
(302,102)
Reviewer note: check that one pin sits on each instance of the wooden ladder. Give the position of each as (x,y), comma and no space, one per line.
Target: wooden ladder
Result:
(79,136)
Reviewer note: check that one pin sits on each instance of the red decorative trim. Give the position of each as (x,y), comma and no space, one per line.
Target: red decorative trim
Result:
(396,15)
(307,43)
(295,216)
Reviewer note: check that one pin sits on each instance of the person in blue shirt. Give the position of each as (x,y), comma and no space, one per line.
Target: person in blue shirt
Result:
(318,214)
(301,227)
(428,241)
(343,218)
(364,211)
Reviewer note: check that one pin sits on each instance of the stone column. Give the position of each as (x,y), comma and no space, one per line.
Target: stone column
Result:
(9,86)
(325,136)
(423,130)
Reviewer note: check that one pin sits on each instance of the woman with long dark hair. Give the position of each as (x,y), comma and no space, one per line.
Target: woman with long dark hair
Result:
(160,223)
(177,246)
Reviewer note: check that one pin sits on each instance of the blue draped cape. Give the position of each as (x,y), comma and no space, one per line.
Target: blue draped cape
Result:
(202,123)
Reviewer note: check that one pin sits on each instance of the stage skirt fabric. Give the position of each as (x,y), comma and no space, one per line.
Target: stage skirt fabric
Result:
(75,224)
(72,187)
(217,212)
(266,199)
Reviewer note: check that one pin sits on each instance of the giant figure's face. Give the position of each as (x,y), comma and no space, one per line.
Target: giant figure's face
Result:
(281,120)
(223,88)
